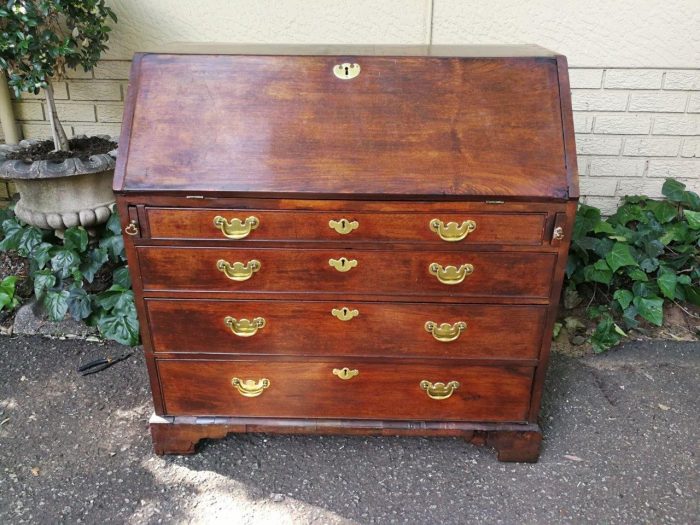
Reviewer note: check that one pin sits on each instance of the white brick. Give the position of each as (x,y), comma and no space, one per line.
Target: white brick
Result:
(597,100)
(607,167)
(648,187)
(652,147)
(597,186)
(28,111)
(78,112)
(113,69)
(682,79)
(694,104)
(78,73)
(606,205)
(95,91)
(689,168)
(60,92)
(110,112)
(36,131)
(585,78)
(677,125)
(623,124)
(633,78)
(583,122)
(691,148)
(658,102)
(112,130)
(595,145)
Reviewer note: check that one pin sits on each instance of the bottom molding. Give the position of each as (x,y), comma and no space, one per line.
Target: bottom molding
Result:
(181,434)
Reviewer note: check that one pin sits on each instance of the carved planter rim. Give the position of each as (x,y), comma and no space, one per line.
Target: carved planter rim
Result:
(17,169)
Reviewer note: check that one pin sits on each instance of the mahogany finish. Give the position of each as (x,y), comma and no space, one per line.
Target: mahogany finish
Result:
(454,134)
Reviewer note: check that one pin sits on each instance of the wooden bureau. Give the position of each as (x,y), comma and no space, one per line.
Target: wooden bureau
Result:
(348,240)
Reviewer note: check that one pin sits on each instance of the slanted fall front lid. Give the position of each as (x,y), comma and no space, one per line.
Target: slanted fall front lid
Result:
(409,125)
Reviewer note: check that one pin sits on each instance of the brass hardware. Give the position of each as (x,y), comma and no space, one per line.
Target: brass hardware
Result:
(558,233)
(342,264)
(439,390)
(250,387)
(446,332)
(236,228)
(495,202)
(346,70)
(131,228)
(244,327)
(450,274)
(345,373)
(343,226)
(344,313)
(452,231)
(238,271)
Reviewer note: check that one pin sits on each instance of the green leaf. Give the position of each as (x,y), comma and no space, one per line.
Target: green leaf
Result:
(121,277)
(30,238)
(667,281)
(673,190)
(644,289)
(620,256)
(56,304)
(587,217)
(649,265)
(651,309)
(79,305)
(629,317)
(116,298)
(693,218)
(113,225)
(76,239)
(41,253)
(605,335)
(123,328)
(114,246)
(13,233)
(599,272)
(663,211)
(43,280)
(604,227)
(623,297)
(93,262)
(64,261)
(636,274)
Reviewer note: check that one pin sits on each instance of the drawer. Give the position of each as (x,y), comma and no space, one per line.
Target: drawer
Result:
(312,390)
(483,274)
(243,225)
(316,328)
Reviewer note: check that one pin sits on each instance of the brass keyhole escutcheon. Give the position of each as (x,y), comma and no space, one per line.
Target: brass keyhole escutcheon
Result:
(345,373)
(344,313)
(343,264)
(343,226)
(346,70)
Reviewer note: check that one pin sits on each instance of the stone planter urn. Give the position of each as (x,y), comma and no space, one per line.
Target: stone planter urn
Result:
(60,194)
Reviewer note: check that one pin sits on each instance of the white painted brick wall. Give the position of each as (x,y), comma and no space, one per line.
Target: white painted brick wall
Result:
(634,127)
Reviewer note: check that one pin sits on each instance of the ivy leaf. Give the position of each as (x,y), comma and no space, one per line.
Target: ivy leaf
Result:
(604,227)
(649,265)
(79,305)
(663,211)
(605,335)
(629,316)
(620,256)
(121,328)
(121,277)
(693,218)
(692,294)
(13,233)
(587,217)
(75,238)
(599,272)
(623,297)
(43,280)
(114,246)
(637,274)
(641,289)
(673,190)
(651,309)
(93,262)
(56,304)
(667,281)
(64,261)
(30,238)
(41,253)
(113,225)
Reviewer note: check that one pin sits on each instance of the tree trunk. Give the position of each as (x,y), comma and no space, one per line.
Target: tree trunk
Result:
(60,141)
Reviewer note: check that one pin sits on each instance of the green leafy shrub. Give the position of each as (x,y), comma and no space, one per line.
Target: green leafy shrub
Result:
(7,293)
(631,263)
(64,275)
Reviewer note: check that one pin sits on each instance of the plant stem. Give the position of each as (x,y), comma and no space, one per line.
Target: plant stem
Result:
(60,141)
(691,314)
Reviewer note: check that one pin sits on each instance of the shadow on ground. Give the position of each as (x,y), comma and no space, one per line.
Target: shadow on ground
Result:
(621,446)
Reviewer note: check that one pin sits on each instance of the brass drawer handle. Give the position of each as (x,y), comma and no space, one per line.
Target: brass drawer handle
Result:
(131,228)
(343,226)
(439,391)
(450,274)
(452,231)
(446,332)
(250,387)
(244,327)
(344,313)
(238,271)
(342,264)
(345,373)
(236,228)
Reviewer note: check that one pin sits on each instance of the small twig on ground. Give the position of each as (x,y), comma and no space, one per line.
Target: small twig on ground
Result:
(691,314)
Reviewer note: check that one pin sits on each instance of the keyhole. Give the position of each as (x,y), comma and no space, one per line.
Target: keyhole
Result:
(343,223)
(342,263)
(347,71)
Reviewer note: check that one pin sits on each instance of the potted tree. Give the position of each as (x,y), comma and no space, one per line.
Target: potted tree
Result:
(61,182)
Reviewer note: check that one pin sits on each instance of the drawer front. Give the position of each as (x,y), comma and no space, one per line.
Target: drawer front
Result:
(357,271)
(243,225)
(378,391)
(316,328)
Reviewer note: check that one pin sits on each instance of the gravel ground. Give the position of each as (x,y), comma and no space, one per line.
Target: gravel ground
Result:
(621,446)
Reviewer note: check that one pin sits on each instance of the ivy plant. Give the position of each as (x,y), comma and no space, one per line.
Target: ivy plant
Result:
(7,293)
(63,272)
(635,261)
(39,39)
